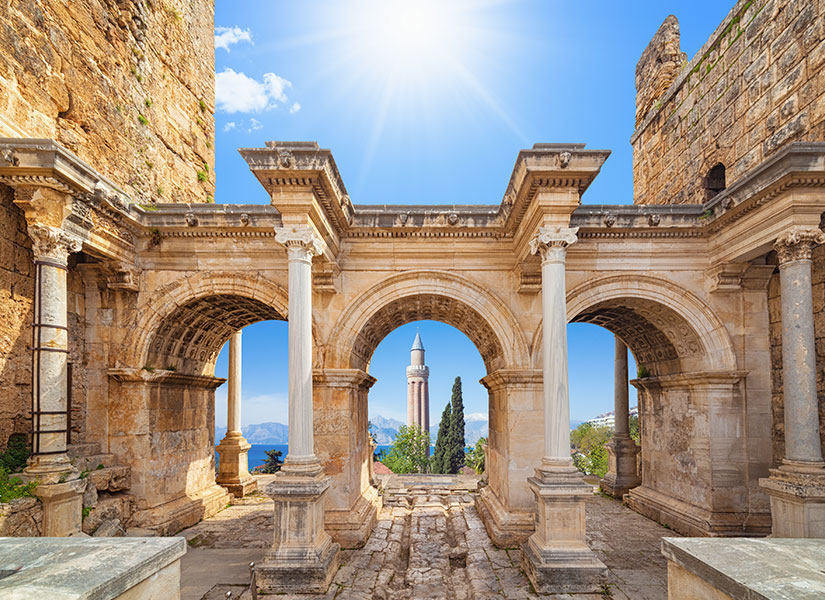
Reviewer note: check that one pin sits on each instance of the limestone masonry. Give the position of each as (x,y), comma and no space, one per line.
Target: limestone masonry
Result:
(120,282)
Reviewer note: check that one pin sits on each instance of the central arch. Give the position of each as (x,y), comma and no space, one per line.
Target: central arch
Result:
(390,303)
(436,295)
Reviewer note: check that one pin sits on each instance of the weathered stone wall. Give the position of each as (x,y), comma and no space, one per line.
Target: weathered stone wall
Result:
(775,309)
(126,85)
(16,293)
(22,517)
(757,84)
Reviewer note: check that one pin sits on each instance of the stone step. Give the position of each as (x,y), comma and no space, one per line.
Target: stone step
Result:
(78,450)
(111,479)
(91,462)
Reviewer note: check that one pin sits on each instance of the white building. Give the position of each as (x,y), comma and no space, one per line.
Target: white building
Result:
(608,419)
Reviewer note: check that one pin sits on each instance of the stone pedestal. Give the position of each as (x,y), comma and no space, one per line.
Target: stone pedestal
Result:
(303,558)
(233,467)
(62,507)
(622,470)
(797,503)
(556,558)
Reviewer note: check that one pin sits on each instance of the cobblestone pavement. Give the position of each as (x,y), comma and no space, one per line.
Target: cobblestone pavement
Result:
(430,543)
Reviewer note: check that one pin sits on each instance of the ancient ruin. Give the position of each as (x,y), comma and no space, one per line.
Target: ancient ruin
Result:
(133,280)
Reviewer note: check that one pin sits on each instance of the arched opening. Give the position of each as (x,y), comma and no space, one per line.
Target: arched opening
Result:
(715,181)
(693,439)
(515,443)
(399,394)
(263,390)
(164,424)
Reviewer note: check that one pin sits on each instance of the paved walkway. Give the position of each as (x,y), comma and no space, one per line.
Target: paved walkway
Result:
(428,543)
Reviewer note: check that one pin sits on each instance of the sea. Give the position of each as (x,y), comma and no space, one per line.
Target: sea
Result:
(257,453)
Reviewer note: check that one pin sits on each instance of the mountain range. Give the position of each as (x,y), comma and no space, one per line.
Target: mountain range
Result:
(384,429)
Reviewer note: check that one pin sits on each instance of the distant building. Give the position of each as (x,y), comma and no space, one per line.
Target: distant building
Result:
(608,419)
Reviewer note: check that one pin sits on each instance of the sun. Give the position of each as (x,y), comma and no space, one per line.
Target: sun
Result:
(418,39)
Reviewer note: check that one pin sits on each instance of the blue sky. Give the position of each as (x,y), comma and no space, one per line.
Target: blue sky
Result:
(423,104)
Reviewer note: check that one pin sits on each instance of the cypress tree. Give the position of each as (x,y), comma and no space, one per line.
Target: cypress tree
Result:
(438,463)
(455,451)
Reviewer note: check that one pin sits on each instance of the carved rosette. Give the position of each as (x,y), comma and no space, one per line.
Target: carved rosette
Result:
(798,244)
(552,242)
(302,243)
(52,244)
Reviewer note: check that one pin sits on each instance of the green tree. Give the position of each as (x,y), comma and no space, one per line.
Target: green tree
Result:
(273,462)
(408,453)
(438,463)
(456,445)
(475,459)
(633,423)
(588,448)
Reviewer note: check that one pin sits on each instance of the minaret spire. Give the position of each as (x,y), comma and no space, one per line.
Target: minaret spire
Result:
(418,390)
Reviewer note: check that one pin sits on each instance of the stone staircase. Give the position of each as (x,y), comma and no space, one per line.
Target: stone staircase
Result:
(107,505)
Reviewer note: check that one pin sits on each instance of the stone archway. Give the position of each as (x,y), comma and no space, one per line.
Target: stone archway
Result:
(479,314)
(166,378)
(691,408)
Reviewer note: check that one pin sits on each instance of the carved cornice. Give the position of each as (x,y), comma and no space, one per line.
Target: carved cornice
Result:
(165,377)
(798,244)
(552,242)
(53,245)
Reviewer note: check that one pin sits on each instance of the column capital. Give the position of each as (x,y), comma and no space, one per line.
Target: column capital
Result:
(302,242)
(52,244)
(552,242)
(798,244)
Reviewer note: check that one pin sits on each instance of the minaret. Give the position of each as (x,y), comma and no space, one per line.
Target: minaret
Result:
(418,389)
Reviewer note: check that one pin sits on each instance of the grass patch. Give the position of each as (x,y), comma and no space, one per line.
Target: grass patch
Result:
(142,120)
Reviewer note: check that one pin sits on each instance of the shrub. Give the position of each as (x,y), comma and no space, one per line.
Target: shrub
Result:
(13,459)
(12,487)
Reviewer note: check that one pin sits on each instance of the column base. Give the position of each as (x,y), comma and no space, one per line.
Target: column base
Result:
(797,493)
(50,468)
(621,474)
(233,467)
(506,529)
(563,572)
(62,507)
(303,558)
(351,528)
(556,558)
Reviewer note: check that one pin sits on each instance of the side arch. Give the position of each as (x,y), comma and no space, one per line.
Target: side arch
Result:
(664,324)
(425,294)
(187,321)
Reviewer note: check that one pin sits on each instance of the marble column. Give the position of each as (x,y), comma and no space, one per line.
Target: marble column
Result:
(233,467)
(59,487)
(556,557)
(303,557)
(797,487)
(622,473)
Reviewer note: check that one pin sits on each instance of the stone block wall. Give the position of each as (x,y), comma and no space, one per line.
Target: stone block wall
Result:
(22,517)
(757,84)
(16,293)
(127,85)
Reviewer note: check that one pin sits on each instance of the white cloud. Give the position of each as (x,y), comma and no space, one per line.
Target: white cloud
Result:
(228,126)
(227,36)
(236,92)
(254,125)
(294,108)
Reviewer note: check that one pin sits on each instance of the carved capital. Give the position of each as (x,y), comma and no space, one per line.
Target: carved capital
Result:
(52,244)
(302,243)
(798,244)
(552,242)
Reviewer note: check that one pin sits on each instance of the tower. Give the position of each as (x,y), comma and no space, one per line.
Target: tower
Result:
(418,388)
